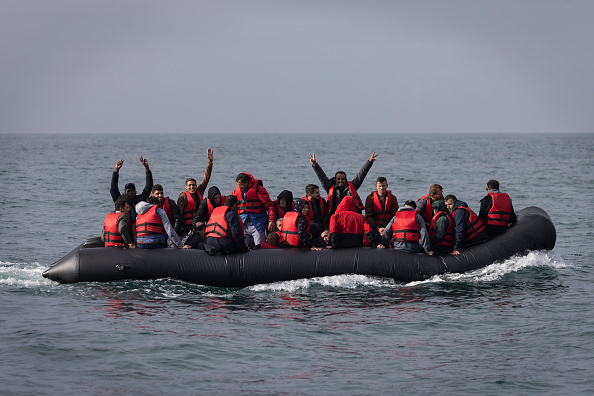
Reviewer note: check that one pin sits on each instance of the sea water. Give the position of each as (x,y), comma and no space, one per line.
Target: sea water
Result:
(522,326)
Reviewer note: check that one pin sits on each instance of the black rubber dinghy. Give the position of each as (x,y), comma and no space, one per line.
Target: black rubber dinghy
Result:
(91,262)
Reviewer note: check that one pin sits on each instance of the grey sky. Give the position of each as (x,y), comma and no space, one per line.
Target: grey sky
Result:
(296,66)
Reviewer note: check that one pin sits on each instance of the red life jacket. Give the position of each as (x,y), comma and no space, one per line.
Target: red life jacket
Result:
(474,225)
(405,227)
(428,214)
(310,214)
(110,225)
(251,202)
(382,216)
(149,223)
(167,209)
(500,212)
(289,229)
(211,208)
(191,207)
(353,193)
(450,236)
(280,212)
(217,226)
(347,223)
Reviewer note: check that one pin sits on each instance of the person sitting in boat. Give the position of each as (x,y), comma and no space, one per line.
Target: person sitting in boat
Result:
(380,207)
(130,188)
(195,238)
(442,230)
(295,227)
(338,187)
(283,203)
(255,208)
(406,229)
(169,206)
(497,211)
(212,201)
(469,228)
(318,207)
(117,227)
(272,241)
(189,200)
(424,203)
(153,227)
(224,230)
(326,237)
(347,225)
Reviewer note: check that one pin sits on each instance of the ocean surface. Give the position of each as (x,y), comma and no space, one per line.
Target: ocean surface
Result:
(523,326)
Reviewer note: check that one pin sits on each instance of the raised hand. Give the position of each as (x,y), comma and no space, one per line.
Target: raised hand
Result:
(312,158)
(119,165)
(373,157)
(209,154)
(144,162)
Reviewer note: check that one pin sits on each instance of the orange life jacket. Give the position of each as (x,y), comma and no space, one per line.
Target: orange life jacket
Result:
(289,229)
(217,226)
(149,223)
(428,213)
(450,236)
(405,227)
(500,212)
(251,202)
(382,216)
(110,225)
(211,208)
(354,194)
(191,207)
(474,225)
(310,214)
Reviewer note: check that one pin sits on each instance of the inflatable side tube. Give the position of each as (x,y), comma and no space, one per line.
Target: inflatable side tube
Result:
(533,231)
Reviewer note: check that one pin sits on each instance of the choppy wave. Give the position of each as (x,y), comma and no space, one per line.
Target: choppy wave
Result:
(496,271)
(22,275)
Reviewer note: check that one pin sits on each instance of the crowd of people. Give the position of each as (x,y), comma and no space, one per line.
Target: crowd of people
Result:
(248,219)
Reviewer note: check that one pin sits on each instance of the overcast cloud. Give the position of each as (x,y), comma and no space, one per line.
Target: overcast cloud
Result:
(296,66)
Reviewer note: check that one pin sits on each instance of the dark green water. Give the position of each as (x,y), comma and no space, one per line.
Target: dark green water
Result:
(519,327)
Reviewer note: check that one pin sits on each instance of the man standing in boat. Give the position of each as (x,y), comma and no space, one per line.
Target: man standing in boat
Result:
(338,187)
(255,208)
(380,207)
(469,228)
(130,188)
(497,211)
(189,200)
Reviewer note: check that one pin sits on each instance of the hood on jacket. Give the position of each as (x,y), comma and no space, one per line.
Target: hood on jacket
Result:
(299,204)
(439,205)
(214,190)
(460,203)
(347,205)
(287,195)
(251,182)
(143,207)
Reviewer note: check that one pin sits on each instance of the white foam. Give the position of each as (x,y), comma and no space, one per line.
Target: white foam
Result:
(496,271)
(22,275)
(342,281)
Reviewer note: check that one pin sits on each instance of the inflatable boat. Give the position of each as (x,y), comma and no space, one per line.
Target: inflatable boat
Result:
(91,262)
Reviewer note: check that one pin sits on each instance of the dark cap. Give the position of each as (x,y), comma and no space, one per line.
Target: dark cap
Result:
(130,186)
(410,203)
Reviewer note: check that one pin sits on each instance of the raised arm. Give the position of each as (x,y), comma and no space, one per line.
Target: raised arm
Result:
(358,180)
(206,178)
(326,183)
(148,185)
(114,191)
